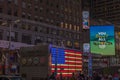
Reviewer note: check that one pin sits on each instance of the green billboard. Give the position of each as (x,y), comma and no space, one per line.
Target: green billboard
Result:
(102,39)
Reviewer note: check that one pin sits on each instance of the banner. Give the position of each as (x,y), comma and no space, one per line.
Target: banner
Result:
(85,18)
(86,47)
(102,39)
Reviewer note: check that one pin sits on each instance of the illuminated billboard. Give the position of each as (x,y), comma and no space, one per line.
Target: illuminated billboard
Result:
(65,61)
(102,39)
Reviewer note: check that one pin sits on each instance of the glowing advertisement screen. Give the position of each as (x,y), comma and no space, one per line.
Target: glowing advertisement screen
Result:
(68,61)
(102,39)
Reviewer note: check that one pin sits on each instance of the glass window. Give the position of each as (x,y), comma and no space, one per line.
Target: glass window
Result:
(75,27)
(76,45)
(9,1)
(41,1)
(38,39)
(9,11)
(26,38)
(1,34)
(16,2)
(15,13)
(1,10)
(29,16)
(78,28)
(69,44)
(23,26)
(23,5)
(36,28)
(15,25)
(62,25)
(41,29)
(66,25)
(28,27)
(36,8)
(70,26)
(14,36)
(23,14)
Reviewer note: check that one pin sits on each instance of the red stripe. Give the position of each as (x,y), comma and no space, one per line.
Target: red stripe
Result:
(74,63)
(72,51)
(73,59)
(68,67)
(72,55)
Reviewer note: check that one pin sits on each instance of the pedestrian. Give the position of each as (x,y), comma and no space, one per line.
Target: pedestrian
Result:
(52,77)
(61,77)
(73,77)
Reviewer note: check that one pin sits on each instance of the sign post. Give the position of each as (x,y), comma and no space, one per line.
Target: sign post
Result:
(90,65)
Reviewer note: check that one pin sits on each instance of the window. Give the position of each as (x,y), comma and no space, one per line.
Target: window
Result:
(28,27)
(9,11)
(38,40)
(36,28)
(23,15)
(57,6)
(16,2)
(29,5)
(69,44)
(75,27)
(41,1)
(62,25)
(49,40)
(23,5)
(29,16)
(26,38)
(15,13)
(70,26)
(78,28)
(1,34)
(1,10)
(23,26)
(66,25)
(76,45)
(36,8)
(14,36)
(41,29)
(61,33)
(15,25)
(9,1)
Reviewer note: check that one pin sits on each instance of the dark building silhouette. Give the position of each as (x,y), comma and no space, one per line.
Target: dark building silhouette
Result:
(106,9)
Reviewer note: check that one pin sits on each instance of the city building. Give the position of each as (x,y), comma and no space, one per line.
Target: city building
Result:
(42,21)
(106,9)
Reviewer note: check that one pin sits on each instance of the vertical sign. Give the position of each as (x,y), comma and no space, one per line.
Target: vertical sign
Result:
(90,65)
(86,47)
(85,18)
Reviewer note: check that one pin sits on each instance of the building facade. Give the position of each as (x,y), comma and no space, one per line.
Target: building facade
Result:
(42,21)
(106,9)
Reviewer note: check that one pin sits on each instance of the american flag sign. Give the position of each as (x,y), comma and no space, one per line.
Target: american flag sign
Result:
(65,61)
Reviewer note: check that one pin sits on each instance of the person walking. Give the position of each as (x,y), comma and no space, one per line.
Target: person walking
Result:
(52,77)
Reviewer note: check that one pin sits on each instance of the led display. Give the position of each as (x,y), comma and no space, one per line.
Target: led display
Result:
(67,61)
(102,39)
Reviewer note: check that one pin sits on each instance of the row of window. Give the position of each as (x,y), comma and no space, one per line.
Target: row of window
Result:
(27,38)
(48,30)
